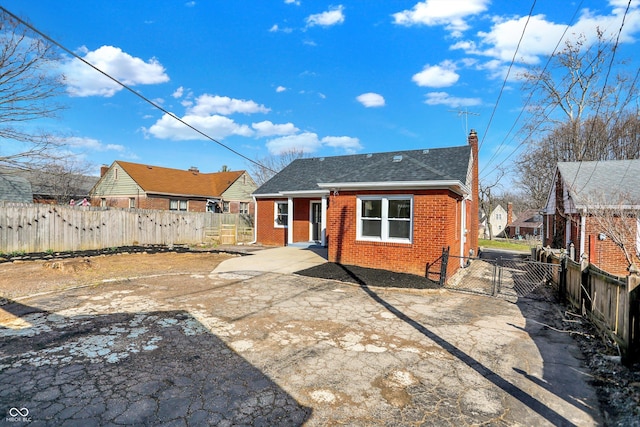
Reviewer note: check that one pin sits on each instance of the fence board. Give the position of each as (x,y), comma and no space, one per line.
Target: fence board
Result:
(26,227)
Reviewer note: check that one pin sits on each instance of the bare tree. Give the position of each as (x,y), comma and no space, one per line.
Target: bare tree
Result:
(584,109)
(618,218)
(29,86)
(268,166)
(487,203)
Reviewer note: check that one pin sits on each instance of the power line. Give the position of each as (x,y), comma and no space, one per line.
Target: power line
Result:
(528,101)
(506,77)
(139,95)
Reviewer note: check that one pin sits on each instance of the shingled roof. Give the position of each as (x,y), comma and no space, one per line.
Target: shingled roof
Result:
(161,180)
(15,188)
(590,182)
(414,166)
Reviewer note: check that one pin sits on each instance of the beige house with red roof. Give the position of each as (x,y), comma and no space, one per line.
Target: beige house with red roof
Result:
(135,185)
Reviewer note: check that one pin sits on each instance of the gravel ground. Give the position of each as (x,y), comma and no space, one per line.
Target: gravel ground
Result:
(618,386)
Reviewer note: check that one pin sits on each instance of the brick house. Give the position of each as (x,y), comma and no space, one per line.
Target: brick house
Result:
(134,185)
(528,224)
(393,211)
(583,192)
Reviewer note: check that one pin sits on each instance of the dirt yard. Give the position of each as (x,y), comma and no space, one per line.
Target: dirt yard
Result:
(18,279)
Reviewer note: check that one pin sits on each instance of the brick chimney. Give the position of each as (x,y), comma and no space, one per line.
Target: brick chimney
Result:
(509,213)
(103,170)
(475,194)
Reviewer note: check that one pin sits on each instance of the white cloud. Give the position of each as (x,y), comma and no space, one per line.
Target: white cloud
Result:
(443,98)
(213,104)
(267,128)
(441,75)
(190,3)
(371,99)
(83,80)
(281,89)
(218,127)
(348,144)
(296,2)
(449,13)
(541,35)
(306,142)
(178,92)
(93,144)
(331,17)
(275,28)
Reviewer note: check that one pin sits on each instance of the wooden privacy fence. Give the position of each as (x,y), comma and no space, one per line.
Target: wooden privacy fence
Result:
(611,302)
(29,228)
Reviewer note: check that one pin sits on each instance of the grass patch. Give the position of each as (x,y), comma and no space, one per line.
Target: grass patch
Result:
(512,245)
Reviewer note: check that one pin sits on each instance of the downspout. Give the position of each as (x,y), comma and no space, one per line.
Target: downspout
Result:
(289,220)
(583,232)
(255,222)
(463,224)
(323,222)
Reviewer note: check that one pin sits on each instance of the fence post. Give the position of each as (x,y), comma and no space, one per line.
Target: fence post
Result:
(562,285)
(585,287)
(632,353)
(443,265)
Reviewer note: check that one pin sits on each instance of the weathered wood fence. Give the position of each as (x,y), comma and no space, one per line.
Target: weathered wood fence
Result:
(611,302)
(29,228)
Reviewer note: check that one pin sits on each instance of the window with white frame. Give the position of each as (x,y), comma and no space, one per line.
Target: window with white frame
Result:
(244,207)
(177,205)
(385,218)
(132,202)
(226,207)
(281,211)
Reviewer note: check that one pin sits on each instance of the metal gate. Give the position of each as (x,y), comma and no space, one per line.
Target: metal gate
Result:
(505,277)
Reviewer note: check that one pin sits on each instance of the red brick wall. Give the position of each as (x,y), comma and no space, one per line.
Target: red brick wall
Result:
(436,224)
(144,202)
(267,233)
(605,254)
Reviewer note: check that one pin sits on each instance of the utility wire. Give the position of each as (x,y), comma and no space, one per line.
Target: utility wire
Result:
(604,87)
(528,101)
(504,83)
(139,95)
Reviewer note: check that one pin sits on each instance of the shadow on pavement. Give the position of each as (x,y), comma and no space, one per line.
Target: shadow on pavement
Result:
(130,369)
(531,402)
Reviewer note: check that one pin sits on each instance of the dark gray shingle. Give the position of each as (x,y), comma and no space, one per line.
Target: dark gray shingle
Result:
(436,164)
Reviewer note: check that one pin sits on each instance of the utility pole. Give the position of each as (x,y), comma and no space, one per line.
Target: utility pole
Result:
(466,114)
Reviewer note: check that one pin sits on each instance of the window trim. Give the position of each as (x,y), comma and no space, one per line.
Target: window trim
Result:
(384,228)
(179,203)
(243,208)
(275,214)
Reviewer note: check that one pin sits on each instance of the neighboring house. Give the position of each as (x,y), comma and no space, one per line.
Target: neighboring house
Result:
(53,186)
(15,189)
(497,222)
(393,211)
(134,185)
(581,195)
(527,224)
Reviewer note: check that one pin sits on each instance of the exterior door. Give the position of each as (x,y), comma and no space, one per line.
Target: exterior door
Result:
(316,221)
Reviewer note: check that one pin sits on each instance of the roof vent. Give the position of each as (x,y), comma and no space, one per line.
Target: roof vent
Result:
(194,169)
(369,155)
(425,151)
(397,158)
(321,159)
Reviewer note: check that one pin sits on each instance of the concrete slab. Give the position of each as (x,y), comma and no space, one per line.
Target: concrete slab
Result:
(249,347)
(284,260)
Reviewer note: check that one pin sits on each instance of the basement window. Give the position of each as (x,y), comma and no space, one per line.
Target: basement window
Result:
(385,218)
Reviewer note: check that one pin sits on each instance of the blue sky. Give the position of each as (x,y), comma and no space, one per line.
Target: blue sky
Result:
(329,78)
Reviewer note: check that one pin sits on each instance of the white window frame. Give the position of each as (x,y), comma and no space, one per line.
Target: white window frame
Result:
(275,214)
(384,218)
(244,208)
(181,205)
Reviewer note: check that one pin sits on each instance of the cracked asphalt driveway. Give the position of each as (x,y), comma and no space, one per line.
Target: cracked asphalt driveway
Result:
(261,348)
